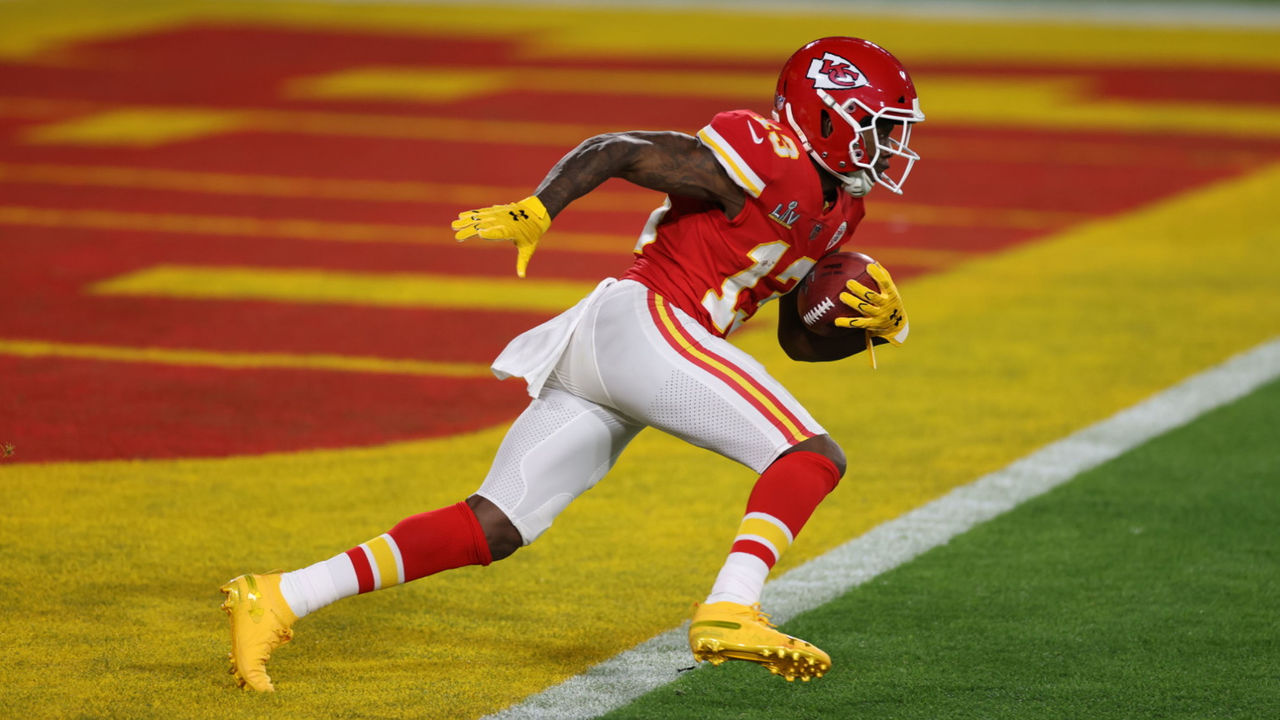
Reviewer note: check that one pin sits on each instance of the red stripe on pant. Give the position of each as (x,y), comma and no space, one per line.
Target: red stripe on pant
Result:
(733,383)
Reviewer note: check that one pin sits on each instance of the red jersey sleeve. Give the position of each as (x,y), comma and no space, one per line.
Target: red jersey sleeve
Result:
(752,149)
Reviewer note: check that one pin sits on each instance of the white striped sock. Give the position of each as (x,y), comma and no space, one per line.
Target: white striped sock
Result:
(741,580)
(315,586)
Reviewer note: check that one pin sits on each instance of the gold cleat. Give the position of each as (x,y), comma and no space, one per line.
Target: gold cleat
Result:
(260,623)
(729,631)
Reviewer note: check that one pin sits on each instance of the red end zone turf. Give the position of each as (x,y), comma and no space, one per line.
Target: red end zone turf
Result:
(88,410)
(75,213)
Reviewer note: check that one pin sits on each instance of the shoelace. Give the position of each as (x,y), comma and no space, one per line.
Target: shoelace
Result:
(761,616)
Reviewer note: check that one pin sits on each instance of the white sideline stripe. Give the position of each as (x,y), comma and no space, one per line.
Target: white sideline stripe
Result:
(624,677)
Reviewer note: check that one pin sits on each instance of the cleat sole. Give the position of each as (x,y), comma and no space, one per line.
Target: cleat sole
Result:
(777,662)
(737,634)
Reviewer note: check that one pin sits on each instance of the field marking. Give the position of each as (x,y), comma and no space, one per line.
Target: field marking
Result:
(292,228)
(1043,102)
(654,663)
(134,127)
(557,240)
(464,195)
(314,229)
(241,360)
(120,124)
(297,186)
(298,285)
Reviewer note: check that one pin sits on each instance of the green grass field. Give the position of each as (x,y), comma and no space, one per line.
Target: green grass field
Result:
(1145,588)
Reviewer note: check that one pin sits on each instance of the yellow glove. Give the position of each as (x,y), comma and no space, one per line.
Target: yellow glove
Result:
(523,223)
(884,315)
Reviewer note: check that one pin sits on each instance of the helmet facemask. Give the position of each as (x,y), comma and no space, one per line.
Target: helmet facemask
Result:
(886,132)
(895,141)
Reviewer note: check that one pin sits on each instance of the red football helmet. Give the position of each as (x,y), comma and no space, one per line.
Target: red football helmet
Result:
(839,91)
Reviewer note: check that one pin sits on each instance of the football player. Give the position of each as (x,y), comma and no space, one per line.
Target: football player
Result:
(752,203)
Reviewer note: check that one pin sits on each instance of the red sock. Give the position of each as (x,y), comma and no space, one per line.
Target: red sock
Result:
(421,545)
(781,502)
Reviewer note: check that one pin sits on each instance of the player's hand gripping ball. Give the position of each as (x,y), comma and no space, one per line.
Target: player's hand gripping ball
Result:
(847,291)
(818,298)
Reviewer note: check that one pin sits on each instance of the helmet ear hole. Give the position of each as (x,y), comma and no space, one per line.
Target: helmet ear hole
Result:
(828,127)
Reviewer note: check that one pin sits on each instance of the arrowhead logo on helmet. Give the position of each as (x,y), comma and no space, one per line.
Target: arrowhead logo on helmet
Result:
(832,72)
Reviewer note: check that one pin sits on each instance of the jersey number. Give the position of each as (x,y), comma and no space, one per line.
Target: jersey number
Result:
(783,146)
(723,307)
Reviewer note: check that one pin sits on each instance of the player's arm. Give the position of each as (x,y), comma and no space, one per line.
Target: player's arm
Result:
(805,346)
(669,162)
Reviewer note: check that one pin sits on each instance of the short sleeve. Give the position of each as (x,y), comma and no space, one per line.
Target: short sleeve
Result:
(741,144)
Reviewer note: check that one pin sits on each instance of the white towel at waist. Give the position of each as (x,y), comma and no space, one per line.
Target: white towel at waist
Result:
(534,353)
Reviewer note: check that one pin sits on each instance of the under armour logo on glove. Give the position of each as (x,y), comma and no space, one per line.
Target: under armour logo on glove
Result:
(884,315)
(524,224)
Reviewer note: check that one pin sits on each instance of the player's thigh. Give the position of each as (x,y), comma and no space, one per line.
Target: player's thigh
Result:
(658,366)
(718,397)
(558,448)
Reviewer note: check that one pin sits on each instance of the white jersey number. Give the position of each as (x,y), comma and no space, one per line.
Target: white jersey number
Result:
(722,305)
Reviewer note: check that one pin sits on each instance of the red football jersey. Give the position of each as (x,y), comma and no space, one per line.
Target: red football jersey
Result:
(721,270)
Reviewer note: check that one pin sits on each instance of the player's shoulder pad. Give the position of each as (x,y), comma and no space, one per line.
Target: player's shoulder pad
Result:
(752,149)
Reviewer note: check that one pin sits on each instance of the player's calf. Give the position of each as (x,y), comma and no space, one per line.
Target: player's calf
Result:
(499,532)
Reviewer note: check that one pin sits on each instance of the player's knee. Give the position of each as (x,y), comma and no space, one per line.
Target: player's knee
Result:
(823,445)
(502,536)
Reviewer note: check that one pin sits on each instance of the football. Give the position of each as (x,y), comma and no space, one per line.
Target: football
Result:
(818,296)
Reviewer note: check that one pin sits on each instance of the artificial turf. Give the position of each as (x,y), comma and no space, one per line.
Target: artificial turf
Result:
(1143,589)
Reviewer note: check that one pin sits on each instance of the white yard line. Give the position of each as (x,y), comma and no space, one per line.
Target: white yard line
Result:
(626,676)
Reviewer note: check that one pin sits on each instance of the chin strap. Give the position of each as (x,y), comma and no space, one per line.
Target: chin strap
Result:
(857,184)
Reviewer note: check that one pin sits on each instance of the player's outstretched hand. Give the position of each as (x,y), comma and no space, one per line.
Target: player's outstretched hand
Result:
(884,315)
(522,223)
